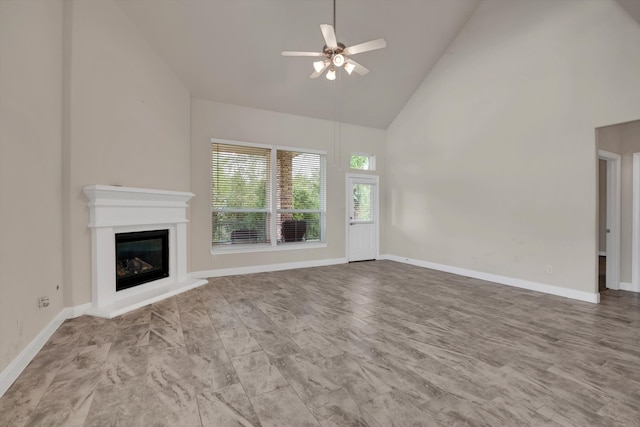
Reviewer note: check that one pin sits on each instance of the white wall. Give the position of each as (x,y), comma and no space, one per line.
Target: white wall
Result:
(217,120)
(491,166)
(128,123)
(30,168)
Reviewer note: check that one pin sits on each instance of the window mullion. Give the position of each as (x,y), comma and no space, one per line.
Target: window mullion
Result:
(274,198)
(323,198)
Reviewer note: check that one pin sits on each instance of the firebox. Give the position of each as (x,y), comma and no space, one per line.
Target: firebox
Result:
(141,257)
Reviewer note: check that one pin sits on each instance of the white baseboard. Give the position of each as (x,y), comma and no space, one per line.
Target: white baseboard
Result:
(624,286)
(17,365)
(266,268)
(509,281)
(76,311)
(602,253)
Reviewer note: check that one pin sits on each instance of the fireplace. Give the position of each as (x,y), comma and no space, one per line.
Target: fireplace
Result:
(138,247)
(141,257)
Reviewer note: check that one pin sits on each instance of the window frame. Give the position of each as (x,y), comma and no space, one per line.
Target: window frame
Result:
(272,210)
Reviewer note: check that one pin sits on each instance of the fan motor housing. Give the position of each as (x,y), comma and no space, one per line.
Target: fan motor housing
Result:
(328,52)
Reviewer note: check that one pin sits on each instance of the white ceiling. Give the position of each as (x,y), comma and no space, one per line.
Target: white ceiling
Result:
(229,50)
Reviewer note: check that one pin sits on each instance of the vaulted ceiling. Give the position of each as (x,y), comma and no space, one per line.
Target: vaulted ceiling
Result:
(229,50)
(632,7)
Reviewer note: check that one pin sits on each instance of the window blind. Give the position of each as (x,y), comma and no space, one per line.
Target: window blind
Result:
(300,196)
(240,194)
(262,194)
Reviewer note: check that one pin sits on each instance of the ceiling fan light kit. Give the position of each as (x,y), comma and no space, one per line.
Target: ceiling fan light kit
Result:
(336,54)
(319,66)
(349,67)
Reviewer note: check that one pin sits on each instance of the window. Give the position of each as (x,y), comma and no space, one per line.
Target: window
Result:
(240,194)
(362,203)
(266,195)
(361,161)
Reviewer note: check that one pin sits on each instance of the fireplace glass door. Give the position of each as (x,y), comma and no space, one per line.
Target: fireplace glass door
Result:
(141,257)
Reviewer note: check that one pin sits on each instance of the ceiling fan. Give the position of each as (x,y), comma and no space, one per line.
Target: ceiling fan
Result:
(335,54)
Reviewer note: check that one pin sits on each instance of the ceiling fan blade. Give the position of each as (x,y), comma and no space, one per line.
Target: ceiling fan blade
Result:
(360,69)
(329,36)
(366,46)
(317,74)
(294,53)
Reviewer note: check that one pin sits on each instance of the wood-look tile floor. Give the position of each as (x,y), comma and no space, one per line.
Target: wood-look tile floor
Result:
(367,344)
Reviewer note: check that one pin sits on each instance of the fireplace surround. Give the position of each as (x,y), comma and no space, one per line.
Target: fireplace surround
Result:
(126,211)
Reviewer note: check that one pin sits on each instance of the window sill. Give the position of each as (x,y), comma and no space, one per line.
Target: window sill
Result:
(243,249)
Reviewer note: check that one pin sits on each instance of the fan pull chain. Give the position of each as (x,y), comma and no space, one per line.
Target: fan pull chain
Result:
(335,132)
(337,124)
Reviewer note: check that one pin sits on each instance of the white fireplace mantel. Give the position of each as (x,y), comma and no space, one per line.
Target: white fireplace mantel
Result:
(115,210)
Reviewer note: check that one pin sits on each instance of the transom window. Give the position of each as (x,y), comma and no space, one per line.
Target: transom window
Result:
(266,195)
(362,161)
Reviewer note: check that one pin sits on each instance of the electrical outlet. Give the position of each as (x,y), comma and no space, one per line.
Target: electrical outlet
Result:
(43,302)
(549,268)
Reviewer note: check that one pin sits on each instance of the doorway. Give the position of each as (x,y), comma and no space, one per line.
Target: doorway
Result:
(609,258)
(602,225)
(362,217)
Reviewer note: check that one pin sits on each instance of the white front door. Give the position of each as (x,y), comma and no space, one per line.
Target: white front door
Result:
(362,217)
